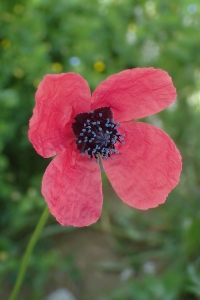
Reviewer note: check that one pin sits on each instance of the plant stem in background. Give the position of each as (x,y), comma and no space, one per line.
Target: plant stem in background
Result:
(28,252)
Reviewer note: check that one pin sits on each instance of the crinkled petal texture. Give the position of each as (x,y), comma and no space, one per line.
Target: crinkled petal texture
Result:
(58,99)
(147,168)
(72,189)
(135,93)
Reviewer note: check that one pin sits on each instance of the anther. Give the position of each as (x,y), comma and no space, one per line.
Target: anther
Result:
(96,134)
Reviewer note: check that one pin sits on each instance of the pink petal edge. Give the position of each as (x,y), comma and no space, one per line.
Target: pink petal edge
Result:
(72,189)
(147,168)
(136,93)
(58,99)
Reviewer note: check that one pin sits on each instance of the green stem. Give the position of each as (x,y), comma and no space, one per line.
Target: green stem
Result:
(28,252)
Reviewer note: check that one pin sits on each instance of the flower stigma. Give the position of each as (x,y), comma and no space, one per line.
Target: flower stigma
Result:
(96,133)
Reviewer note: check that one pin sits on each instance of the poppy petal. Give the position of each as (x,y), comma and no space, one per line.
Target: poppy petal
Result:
(72,189)
(147,167)
(135,93)
(58,99)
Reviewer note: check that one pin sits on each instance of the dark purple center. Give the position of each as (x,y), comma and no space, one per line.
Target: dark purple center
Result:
(96,133)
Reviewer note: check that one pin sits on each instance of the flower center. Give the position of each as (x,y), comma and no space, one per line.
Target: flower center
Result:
(96,133)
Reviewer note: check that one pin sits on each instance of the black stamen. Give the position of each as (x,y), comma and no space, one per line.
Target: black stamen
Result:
(96,133)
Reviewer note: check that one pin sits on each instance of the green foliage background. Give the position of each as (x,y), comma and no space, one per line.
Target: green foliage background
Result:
(104,37)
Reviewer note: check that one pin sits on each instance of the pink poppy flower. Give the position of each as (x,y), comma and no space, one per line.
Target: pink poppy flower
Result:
(140,160)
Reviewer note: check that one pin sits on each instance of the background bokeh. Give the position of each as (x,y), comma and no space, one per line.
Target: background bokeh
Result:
(128,254)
